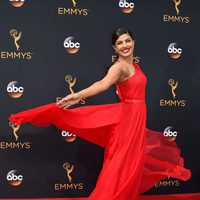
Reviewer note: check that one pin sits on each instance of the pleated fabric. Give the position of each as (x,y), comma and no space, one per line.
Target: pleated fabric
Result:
(135,157)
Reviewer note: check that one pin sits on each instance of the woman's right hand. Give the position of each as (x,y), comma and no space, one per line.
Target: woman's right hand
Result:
(69,100)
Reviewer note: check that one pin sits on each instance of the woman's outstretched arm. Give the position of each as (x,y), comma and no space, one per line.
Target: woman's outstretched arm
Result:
(100,86)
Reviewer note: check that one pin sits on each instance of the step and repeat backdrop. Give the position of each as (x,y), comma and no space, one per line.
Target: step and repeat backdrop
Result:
(49,49)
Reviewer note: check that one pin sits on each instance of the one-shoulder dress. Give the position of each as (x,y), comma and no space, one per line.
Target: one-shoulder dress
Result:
(135,157)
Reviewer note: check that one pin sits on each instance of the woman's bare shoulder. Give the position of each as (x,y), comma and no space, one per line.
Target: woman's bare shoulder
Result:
(117,65)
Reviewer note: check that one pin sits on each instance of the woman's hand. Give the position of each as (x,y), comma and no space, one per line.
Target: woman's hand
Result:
(69,100)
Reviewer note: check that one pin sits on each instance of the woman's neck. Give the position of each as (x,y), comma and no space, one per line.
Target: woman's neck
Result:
(128,59)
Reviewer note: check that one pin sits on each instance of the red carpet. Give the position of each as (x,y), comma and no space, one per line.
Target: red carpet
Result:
(192,196)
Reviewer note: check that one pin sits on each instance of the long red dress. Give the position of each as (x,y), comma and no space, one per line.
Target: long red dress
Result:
(135,157)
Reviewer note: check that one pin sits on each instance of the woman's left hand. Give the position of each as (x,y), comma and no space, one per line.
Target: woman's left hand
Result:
(69,100)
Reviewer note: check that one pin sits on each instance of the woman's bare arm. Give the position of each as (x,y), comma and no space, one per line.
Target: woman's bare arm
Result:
(100,86)
(111,77)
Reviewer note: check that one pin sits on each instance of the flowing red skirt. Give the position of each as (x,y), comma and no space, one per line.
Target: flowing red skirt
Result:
(103,125)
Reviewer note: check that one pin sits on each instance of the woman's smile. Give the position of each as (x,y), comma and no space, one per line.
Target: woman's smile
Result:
(125,49)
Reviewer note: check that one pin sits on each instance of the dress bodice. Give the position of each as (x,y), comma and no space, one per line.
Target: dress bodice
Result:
(134,86)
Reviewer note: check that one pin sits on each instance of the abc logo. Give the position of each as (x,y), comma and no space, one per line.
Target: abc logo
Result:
(13,90)
(126,7)
(68,137)
(14,178)
(170,133)
(71,46)
(174,51)
(17,3)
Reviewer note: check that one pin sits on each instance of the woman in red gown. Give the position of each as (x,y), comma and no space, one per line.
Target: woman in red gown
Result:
(135,157)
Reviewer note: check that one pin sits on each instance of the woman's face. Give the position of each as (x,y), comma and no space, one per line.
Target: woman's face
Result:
(124,45)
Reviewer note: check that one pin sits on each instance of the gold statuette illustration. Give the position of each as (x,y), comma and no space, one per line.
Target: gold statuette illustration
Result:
(15,129)
(69,168)
(173,85)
